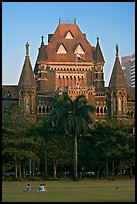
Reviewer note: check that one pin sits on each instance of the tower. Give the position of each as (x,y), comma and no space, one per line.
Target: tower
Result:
(98,73)
(27,89)
(40,68)
(118,90)
(98,82)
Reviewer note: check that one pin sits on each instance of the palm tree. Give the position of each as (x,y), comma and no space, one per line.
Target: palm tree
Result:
(72,117)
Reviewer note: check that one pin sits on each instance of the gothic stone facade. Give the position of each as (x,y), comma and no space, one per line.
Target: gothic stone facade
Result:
(58,70)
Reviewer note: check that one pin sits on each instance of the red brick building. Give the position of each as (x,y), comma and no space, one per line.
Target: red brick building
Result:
(58,70)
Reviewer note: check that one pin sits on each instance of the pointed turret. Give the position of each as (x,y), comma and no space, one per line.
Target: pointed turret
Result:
(27,77)
(98,71)
(117,77)
(42,56)
(98,57)
(27,89)
(118,91)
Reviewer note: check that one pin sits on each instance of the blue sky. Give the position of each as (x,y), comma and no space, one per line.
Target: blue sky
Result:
(112,22)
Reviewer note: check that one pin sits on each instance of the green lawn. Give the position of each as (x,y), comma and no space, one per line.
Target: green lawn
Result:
(69,191)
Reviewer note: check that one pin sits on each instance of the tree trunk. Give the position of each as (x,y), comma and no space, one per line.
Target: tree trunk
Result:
(33,166)
(75,158)
(106,168)
(113,168)
(16,171)
(24,171)
(130,169)
(55,168)
(20,175)
(46,164)
(30,166)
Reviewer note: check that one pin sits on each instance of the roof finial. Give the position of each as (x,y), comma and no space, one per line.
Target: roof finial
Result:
(42,38)
(97,39)
(116,50)
(27,49)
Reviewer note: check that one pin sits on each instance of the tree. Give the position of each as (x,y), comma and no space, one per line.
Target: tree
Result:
(72,117)
(18,144)
(114,145)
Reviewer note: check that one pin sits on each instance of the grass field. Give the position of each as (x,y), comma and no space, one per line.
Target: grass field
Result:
(69,191)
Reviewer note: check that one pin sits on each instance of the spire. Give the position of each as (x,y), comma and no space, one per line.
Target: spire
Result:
(97,40)
(42,38)
(27,49)
(42,55)
(98,57)
(27,77)
(116,50)
(117,77)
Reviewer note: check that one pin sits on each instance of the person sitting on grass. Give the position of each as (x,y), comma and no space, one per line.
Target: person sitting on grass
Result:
(28,188)
(45,187)
(41,188)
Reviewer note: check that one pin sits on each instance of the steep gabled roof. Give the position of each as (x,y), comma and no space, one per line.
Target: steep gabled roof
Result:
(117,77)
(10,92)
(27,77)
(98,56)
(78,38)
(42,55)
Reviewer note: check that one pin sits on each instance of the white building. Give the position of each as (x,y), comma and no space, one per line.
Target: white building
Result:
(128,66)
(132,65)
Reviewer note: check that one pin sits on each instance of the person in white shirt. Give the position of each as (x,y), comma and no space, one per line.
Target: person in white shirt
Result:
(41,188)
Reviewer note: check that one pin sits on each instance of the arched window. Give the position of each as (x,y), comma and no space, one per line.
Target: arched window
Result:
(120,100)
(124,104)
(21,93)
(39,109)
(102,75)
(131,113)
(47,109)
(27,104)
(97,109)
(105,110)
(43,109)
(22,104)
(101,109)
(8,94)
(59,80)
(66,81)
(33,103)
(114,99)
(119,104)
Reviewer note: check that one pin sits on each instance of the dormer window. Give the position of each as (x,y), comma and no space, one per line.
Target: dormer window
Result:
(61,49)
(79,49)
(8,94)
(69,35)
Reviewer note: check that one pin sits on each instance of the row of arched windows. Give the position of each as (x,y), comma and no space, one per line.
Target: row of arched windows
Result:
(119,101)
(71,69)
(101,109)
(130,113)
(44,109)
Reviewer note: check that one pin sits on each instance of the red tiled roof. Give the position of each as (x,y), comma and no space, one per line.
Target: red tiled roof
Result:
(70,44)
